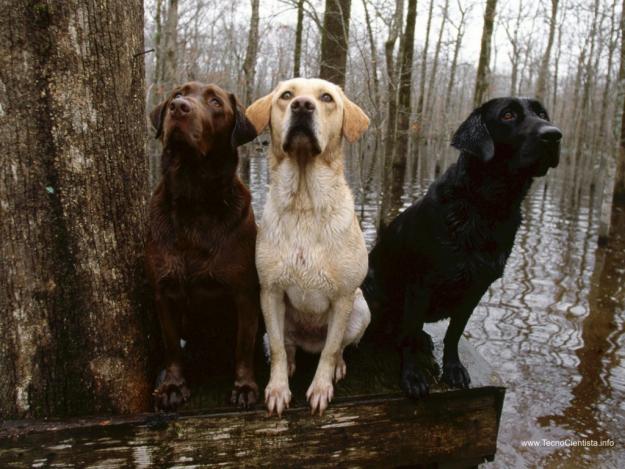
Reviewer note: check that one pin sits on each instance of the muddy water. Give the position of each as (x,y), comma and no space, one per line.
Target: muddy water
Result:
(553,327)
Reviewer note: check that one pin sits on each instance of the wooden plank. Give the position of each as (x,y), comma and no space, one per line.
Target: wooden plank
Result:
(369,424)
(367,431)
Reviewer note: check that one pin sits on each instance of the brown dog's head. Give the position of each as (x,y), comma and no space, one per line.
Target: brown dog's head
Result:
(201,118)
(308,117)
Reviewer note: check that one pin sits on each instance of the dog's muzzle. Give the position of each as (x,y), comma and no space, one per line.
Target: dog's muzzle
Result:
(550,137)
(300,136)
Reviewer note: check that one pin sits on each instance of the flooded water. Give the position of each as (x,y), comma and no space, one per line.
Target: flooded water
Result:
(553,327)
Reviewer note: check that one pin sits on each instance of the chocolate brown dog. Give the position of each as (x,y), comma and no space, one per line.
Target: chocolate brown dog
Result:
(202,234)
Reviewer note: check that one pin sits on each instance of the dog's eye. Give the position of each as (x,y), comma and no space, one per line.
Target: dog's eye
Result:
(543,115)
(286,95)
(508,116)
(178,95)
(326,98)
(215,102)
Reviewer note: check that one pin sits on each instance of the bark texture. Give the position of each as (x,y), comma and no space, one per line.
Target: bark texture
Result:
(482,77)
(299,29)
(334,41)
(541,81)
(73,186)
(249,65)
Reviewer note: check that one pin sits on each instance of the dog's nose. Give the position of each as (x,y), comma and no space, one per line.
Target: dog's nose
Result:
(303,105)
(550,134)
(179,107)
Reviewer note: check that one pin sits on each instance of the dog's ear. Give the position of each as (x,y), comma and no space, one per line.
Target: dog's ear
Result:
(156,117)
(355,121)
(243,131)
(259,112)
(473,137)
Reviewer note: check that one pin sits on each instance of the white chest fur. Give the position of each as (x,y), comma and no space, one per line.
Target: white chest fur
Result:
(309,243)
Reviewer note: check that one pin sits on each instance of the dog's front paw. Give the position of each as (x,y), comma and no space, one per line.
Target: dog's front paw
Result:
(171,390)
(277,397)
(414,382)
(244,394)
(319,395)
(456,375)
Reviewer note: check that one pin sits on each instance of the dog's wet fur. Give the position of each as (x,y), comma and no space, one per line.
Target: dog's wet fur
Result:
(201,237)
(439,256)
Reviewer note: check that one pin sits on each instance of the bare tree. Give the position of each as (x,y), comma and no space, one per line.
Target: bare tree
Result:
(457,45)
(297,53)
(512,27)
(431,95)
(249,64)
(422,76)
(481,78)
(391,118)
(334,41)
(541,82)
(73,188)
(169,59)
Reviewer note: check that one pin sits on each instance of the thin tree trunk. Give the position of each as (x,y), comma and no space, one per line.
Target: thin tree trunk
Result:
(154,156)
(541,82)
(74,328)
(334,41)
(389,141)
(403,111)
(251,53)
(249,71)
(454,61)
(422,76)
(431,96)
(168,77)
(580,133)
(482,76)
(297,55)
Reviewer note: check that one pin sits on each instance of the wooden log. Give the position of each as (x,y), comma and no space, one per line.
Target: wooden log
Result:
(450,428)
(389,431)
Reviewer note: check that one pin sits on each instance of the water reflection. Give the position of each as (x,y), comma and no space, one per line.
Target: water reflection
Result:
(553,326)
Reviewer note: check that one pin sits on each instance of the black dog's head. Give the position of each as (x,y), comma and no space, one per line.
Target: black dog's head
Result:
(513,131)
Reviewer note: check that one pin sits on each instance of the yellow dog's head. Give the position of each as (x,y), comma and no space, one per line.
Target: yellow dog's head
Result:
(308,117)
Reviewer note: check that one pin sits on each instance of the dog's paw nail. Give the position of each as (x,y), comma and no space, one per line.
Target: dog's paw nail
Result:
(319,395)
(277,398)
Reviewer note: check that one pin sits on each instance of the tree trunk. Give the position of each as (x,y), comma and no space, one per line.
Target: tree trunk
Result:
(168,72)
(406,53)
(613,208)
(454,60)
(249,71)
(541,82)
(156,95)
(431,96)
(482,78)
(297,55)
(391,80)
(422,76)
(619,180)
(74,331)
(251,53)
(334,41)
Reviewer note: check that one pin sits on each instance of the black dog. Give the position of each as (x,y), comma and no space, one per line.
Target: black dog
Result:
(438,258)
